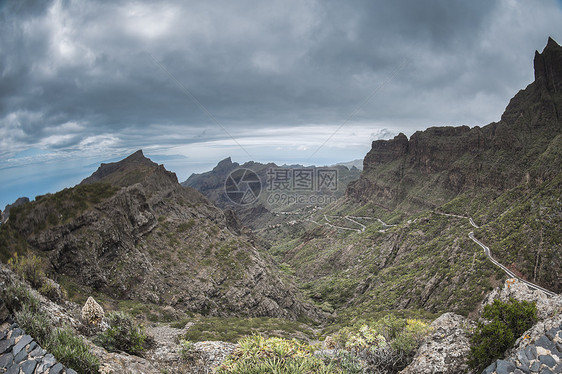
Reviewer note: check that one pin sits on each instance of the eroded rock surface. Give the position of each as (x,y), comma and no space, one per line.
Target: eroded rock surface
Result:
(446,348)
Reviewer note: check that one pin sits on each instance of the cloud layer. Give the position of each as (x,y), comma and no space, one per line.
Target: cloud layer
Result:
(99,79)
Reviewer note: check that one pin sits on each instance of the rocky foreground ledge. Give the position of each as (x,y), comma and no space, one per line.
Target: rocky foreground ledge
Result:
(445,350)
(542,353)
(20,353)
(538,350)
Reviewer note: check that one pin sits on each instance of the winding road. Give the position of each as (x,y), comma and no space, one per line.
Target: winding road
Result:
(488,254)
(506,270)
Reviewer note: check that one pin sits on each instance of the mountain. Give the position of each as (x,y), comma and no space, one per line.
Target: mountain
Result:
(437,164)
(351,164)
(131,232)
(436,223)
(265,210)
(507,173)
(398,239)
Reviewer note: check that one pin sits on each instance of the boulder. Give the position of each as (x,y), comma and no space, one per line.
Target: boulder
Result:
(445,349)
(92,312)
(514,288)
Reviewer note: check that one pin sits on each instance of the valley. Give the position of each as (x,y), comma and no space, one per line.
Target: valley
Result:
(414,242)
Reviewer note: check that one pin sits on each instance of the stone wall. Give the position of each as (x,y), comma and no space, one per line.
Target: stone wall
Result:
(543,356)
(20,353)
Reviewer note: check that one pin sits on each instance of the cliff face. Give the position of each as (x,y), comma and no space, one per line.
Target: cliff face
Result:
(547,67)
(133,232)
(446,161)
(385,151)
(506,175)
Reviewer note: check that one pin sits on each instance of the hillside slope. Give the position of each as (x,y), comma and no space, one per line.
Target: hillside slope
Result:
(505,175)
(132,232)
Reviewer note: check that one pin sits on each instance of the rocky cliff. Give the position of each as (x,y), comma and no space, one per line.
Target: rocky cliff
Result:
(446,161)
(132,232)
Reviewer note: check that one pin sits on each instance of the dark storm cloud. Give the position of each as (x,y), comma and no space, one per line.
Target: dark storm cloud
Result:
(82,75)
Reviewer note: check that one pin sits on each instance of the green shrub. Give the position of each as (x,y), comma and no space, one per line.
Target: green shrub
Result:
(507,321)
(185,226)
(388,344)
(186,352)
(124,334)
(52,291)
(71,350)
(347,362)
(29,267)
(232,329)
(257,354)
(34,323)
(17,296)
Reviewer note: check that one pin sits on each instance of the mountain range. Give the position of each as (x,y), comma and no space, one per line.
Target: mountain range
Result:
(430,225)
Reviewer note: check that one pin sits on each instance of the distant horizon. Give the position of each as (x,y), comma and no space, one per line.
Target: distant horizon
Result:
(286,82)
(58,184)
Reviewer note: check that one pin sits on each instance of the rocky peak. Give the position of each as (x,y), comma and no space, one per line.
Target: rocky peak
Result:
(384,151)
(6,214)
(225,165)
(548,67)
(136,168)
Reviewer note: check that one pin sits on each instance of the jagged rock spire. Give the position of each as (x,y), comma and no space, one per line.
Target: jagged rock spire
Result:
(548,66)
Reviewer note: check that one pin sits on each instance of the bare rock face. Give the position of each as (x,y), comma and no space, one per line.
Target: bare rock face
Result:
(446,348)
(546,63)
(92,312)
(384,151)
(538,350)
(513,288)
(534,333)
(113,363)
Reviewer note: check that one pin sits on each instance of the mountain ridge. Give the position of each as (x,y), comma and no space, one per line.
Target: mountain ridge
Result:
(451,160)
(505,175)
(132,232)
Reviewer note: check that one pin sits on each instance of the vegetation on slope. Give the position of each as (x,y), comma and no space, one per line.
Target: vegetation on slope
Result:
(504,323)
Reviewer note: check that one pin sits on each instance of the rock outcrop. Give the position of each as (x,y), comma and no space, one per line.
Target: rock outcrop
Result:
(513,288)
(539,349)
(446,348)
(541,354)
(385,151)
(92,312)
(546,72)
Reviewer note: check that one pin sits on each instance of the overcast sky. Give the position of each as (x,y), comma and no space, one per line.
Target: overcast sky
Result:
(192,82)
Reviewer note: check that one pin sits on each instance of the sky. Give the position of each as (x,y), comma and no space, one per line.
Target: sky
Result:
(293,81)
